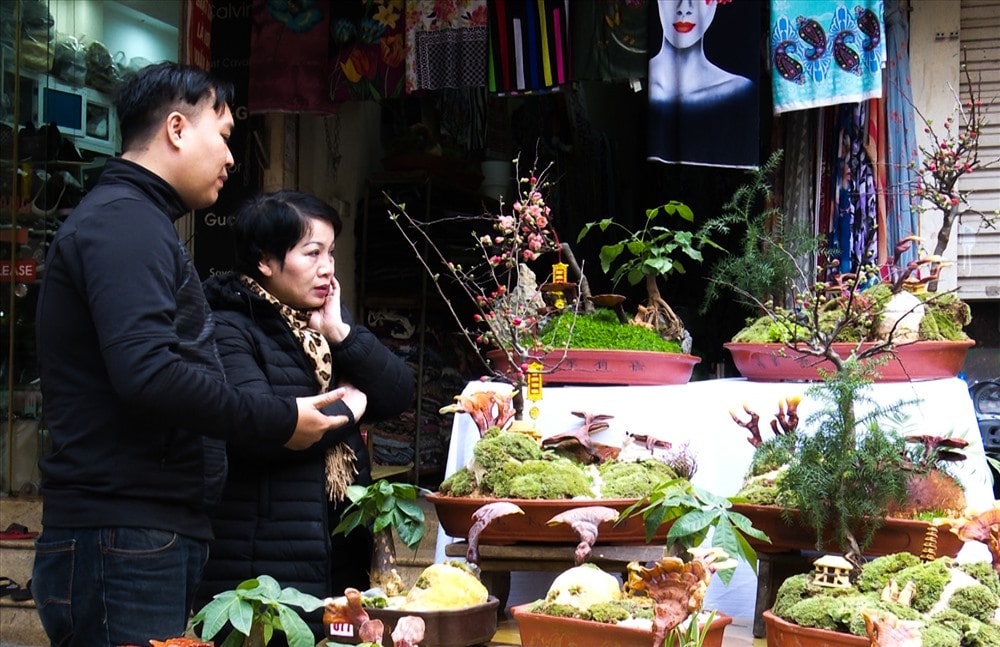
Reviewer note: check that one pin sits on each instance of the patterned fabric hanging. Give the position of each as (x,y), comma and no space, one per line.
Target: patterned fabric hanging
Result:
(610,40)
(446,42)
(825,52)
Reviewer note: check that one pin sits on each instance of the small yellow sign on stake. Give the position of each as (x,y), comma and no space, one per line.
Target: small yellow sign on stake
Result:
(534,383)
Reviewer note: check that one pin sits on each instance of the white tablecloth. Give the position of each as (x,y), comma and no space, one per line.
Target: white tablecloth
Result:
(697,413)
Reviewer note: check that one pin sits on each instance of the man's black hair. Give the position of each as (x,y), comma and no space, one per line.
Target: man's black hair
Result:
(147,96)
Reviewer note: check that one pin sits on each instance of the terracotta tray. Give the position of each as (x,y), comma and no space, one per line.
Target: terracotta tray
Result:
(896,536)
(781,633)
(610,367)
(539,630)
(455,515)
(922,360)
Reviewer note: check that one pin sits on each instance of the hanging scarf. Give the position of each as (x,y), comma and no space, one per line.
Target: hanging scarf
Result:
(340,459)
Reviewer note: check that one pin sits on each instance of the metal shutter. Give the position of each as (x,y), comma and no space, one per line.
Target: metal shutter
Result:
(978,245)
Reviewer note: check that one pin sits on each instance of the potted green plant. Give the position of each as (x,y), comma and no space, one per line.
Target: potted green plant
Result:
(649,254)
(255,610)
(807,314)
(852,474)
(385,506)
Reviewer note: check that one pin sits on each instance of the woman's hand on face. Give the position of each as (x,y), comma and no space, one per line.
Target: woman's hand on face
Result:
(327,319)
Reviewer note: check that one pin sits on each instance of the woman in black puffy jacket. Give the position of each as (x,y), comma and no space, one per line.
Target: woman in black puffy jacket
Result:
(281,329)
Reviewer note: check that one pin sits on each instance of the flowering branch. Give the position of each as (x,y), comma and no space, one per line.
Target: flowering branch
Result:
(499,284)
(951,154)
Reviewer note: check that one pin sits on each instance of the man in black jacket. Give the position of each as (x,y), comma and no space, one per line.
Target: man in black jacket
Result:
(135,397)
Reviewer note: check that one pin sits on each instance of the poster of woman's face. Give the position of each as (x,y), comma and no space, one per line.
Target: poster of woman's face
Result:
(685,22)
(704,71)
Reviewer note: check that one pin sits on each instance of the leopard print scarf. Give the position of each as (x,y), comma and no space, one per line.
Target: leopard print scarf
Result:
(341,460)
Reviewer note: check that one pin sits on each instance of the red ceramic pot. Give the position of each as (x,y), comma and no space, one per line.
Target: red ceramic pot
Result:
(922,360)
(609,367)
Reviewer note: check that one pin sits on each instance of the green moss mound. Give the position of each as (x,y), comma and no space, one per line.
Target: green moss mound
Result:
(602,330)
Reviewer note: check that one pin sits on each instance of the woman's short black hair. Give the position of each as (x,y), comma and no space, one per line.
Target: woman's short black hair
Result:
(273,223)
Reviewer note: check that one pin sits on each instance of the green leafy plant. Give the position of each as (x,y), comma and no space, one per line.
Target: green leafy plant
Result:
(385,505)
(255,609)
(651,253)
(695,633)
(694,512)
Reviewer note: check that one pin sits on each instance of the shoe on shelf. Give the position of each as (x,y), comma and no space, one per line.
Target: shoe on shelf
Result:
(46,201)
(69,153)
(39,144)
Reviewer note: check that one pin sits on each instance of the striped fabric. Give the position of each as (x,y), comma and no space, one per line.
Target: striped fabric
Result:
(529,45)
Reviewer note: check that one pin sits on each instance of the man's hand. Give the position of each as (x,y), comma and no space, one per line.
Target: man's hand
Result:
(312,422)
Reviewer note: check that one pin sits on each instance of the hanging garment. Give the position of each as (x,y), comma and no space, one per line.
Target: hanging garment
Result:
(309,56)
(852,238)
(289,64)
(609,40)
(901,158)
(446,42)
(703,84)
(368,52)
(529,45)
(825,52)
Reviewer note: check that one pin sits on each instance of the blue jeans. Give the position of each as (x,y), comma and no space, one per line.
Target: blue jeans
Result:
(98,587)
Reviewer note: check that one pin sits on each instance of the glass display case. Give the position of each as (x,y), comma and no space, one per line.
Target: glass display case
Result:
(60,62)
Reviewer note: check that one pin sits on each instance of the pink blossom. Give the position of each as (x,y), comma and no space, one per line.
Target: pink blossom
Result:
(505,223)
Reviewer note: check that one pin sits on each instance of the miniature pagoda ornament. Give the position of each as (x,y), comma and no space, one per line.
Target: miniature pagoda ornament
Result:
(832,571)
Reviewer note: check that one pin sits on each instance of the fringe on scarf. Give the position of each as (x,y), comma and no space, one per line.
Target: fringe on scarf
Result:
(340,471)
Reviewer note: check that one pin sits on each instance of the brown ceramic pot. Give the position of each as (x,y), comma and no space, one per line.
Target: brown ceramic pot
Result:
(455,516)
(781,633)
(539,630)
(895,536)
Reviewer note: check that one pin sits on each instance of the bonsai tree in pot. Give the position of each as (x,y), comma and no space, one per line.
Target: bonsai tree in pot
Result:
(813,310)
(649,254)
(385,506)
(854,469)
(518,318)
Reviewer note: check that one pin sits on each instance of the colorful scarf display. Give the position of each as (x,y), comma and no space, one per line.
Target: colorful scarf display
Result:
(853,198)
(529,45)
(825,52)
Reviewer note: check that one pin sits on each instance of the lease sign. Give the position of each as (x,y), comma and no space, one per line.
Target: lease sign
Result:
(22,270)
